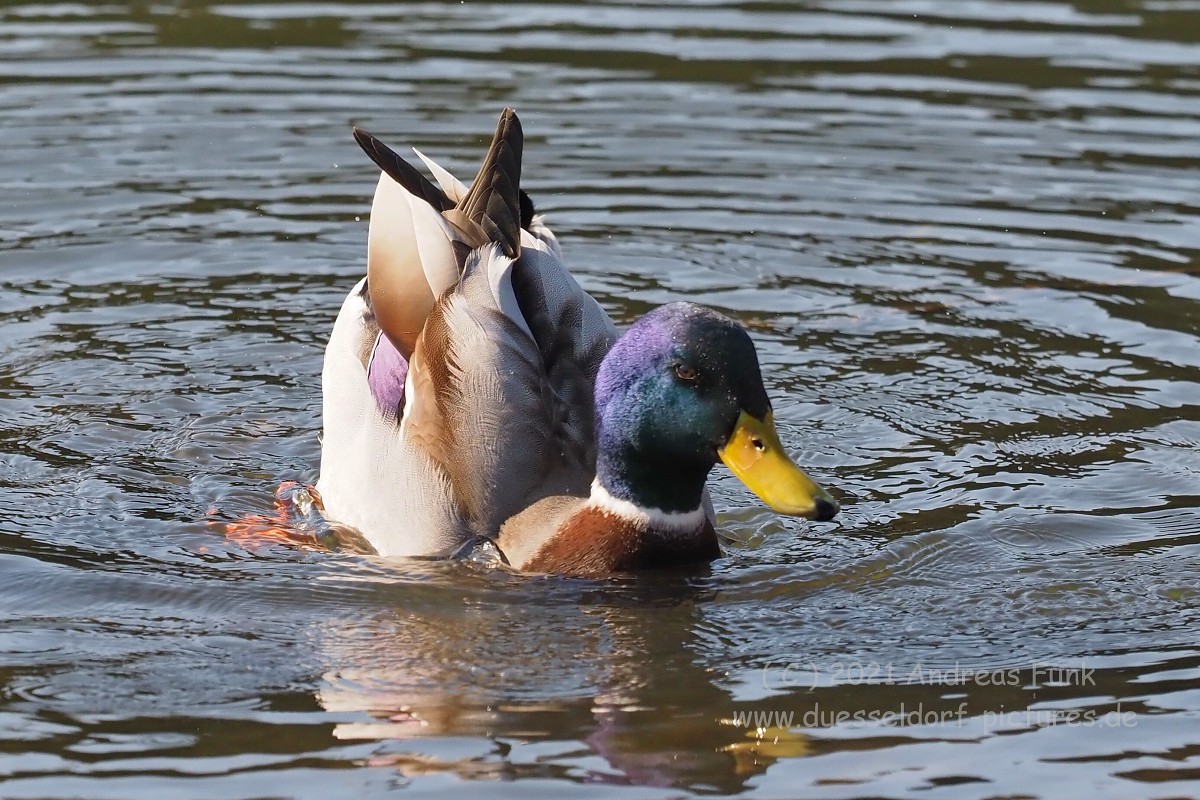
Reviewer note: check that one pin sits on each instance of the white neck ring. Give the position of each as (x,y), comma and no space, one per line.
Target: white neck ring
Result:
(653,518)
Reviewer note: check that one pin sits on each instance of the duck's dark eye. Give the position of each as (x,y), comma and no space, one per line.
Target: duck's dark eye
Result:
(685,373)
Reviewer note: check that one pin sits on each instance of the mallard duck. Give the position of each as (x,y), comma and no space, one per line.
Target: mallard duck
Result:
(474,392)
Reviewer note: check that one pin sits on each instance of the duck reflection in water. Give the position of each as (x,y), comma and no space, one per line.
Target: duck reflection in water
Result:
(548,666)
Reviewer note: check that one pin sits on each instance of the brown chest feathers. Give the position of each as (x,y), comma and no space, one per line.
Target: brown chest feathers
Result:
(595,541)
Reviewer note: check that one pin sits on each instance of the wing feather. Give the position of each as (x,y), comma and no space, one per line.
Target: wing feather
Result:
(491,210)
(402,172)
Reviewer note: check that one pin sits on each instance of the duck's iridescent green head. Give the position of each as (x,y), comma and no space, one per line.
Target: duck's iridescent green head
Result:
(680,391)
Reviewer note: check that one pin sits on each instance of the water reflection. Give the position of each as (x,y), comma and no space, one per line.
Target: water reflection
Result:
(618,694)
(592,670)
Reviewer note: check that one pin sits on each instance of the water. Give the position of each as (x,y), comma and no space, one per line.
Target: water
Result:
(964,237)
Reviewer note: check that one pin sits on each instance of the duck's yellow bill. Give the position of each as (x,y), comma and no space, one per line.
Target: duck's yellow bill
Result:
(754,454)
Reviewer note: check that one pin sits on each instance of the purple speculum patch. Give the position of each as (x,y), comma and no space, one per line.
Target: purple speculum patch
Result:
(386,372)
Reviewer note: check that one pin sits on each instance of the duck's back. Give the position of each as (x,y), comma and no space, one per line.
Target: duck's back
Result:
(496,407)
(506,399)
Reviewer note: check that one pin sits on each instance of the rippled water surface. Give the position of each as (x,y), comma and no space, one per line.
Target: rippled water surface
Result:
(964,235)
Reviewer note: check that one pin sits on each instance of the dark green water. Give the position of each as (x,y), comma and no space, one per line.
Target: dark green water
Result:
(965,236)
